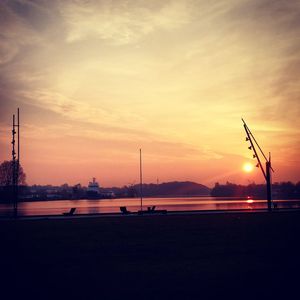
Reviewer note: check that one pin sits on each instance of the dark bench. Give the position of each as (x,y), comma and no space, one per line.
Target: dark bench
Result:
(71,212)
(152,210)
(124,210)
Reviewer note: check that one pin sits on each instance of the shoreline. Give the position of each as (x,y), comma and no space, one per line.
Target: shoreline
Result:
(146,214)
(153,197)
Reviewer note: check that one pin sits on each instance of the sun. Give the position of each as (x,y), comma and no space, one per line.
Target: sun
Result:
(248,167)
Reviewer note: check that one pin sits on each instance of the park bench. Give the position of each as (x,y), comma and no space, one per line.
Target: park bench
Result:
(71,212)
(152,210)
(124,210)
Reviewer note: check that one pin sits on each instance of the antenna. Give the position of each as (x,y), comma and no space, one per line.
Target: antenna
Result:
(267,171)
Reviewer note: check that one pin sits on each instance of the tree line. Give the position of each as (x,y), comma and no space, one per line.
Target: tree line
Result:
(280,190)
(6,180)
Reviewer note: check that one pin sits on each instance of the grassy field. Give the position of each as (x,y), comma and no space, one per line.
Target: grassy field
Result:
(241,255)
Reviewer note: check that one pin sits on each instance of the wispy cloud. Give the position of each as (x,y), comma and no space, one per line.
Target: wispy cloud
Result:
(274,27)
(14,33)
(119,22)
(172,76)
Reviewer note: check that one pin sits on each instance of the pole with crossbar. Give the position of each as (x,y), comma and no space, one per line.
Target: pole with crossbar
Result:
(267,171)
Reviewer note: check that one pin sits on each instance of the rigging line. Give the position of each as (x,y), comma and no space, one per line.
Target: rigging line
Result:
(256,155)
(256,143)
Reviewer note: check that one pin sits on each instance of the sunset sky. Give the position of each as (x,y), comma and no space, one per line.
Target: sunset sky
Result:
(97,80)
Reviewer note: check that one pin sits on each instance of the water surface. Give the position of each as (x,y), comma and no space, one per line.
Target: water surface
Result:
(88,206)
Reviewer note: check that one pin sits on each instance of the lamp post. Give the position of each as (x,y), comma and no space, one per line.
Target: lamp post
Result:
(268,168)
(269,184)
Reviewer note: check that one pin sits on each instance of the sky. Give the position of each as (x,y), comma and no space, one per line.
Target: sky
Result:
(96,81)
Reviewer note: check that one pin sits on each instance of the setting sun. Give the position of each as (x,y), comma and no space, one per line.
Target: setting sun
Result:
(248,167)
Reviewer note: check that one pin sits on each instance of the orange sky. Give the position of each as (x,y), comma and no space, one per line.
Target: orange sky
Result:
(97,80)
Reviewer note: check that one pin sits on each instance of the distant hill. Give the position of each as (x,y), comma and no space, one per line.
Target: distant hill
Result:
(174,188)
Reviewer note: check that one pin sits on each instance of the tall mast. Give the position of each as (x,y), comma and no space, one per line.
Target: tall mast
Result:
(18,138)
(18,162)
(141,180)
(15,162)
(14,168)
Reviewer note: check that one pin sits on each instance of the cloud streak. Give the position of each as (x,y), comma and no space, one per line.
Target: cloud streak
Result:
(119,22)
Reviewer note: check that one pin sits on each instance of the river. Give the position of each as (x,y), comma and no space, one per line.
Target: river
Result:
(88,206)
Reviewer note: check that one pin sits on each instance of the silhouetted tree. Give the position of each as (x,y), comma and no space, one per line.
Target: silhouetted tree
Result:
(282,190)
(228,190)
(77,191)
(131,191)
(6,174)
(297,193)
(288,190)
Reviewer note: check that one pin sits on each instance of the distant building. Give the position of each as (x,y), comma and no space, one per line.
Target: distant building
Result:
(93,190)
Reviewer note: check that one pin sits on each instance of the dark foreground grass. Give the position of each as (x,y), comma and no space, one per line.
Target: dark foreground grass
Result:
(244,256)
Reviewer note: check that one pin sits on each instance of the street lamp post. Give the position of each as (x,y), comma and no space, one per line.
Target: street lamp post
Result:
(267,171)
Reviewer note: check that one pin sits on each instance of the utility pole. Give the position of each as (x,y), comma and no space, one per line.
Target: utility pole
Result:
(267,171)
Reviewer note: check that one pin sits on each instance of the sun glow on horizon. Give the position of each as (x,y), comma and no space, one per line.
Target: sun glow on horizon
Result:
(248,167)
